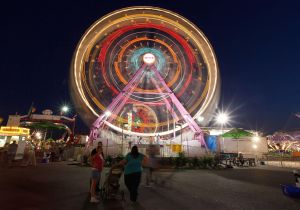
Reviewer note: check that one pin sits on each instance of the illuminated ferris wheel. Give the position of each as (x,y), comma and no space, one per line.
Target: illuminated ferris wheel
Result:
(145,67)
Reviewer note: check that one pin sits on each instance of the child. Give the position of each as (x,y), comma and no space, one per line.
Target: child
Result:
(297,177)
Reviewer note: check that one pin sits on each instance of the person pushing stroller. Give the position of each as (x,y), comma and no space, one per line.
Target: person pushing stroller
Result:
(133,163)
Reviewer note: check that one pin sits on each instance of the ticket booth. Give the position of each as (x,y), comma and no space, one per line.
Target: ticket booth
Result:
(9,134)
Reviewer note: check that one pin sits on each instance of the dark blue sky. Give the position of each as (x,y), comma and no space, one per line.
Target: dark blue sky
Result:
(257,44)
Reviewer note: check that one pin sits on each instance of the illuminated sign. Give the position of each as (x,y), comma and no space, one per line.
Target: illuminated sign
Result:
(5,130)
(149,58)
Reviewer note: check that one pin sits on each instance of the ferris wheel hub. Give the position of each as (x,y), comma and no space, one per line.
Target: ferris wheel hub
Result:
(149,58)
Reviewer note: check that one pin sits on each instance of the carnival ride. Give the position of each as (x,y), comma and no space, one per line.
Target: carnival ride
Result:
(47,122)
(147,68)
(288,140)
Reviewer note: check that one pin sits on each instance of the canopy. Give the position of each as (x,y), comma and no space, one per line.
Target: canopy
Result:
(46,125)
(237,133)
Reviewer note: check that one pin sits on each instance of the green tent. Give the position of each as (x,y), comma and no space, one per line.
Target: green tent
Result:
(237,133)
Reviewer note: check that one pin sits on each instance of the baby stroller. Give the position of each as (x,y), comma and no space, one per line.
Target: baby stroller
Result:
(293,190)
(111,186)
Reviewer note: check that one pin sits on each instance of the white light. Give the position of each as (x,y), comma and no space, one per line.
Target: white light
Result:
(200,119)
(222,118)
(254,146)
(65,109)
(107,113)
(149,58)
(38,135)
(178,125)
(255,138)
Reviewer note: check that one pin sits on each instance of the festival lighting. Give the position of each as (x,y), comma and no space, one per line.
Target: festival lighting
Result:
(154,49)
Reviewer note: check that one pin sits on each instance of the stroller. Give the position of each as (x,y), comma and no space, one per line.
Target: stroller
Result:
(111,186)
(293,190)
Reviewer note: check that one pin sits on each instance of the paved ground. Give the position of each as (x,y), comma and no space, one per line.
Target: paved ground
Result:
(63,186)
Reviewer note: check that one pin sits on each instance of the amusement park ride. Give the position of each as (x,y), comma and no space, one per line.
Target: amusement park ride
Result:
(124,95)
(146,67)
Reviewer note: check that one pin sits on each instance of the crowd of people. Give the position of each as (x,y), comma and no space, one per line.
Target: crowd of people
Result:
(132,164)
(32,153)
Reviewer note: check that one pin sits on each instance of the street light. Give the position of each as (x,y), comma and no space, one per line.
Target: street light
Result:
(64,109)
(222,118)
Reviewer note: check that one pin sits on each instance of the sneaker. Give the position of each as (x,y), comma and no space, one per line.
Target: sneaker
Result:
(94,200)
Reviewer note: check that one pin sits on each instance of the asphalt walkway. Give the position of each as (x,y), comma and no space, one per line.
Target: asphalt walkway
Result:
(64,186)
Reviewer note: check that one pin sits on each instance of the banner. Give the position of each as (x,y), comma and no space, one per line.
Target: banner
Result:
(176,148)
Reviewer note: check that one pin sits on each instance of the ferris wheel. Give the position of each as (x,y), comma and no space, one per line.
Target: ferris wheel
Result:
(147,68)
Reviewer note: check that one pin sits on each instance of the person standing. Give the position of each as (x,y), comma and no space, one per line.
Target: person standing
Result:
(31,156)
(97,166)
(100,153)
(133,163)
(4,156)
(12,150)
(151,165)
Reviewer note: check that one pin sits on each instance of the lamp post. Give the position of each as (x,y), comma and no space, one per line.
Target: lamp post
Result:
(256,140)
(222,119)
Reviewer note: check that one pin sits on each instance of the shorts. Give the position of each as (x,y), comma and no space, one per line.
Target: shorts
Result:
(95,174)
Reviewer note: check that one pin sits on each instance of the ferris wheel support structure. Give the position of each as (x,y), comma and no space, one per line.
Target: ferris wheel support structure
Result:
(118,103)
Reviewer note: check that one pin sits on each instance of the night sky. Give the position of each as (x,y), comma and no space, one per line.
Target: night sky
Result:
(257,44)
